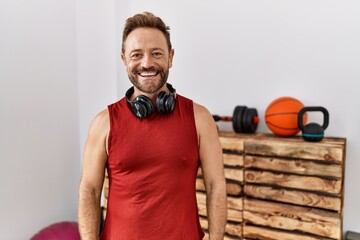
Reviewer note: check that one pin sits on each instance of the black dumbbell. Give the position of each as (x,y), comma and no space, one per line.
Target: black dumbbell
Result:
(244,120)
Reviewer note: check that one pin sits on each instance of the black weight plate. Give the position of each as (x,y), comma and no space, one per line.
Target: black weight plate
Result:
(245,121)
(237,116)
(248,120)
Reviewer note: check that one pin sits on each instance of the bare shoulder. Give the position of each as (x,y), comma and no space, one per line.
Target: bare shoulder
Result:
(101,123)
(204,121)
(201,112)
(102,117)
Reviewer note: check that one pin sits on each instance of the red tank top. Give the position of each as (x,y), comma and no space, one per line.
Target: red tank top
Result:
(152,167)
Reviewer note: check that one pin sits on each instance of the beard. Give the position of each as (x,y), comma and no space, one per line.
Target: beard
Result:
(151,86)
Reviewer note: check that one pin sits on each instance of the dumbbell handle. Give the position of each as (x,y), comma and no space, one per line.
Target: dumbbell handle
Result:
(222,118)
(218,118)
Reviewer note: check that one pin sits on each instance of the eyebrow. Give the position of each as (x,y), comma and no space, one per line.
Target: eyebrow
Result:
(152,49)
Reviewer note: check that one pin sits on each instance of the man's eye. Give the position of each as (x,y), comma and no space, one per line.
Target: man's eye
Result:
(135,56)
(157,54)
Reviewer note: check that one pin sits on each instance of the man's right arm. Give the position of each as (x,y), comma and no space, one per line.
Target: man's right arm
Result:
(92,177)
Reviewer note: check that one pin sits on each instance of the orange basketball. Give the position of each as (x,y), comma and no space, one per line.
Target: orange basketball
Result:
(281,116)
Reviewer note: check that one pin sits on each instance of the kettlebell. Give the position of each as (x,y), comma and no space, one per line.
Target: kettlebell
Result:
(313,132)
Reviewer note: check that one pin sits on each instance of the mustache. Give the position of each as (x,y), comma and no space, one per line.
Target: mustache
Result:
(143,69)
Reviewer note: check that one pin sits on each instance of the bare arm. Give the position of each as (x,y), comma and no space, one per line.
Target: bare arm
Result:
(213,171)
(92,177)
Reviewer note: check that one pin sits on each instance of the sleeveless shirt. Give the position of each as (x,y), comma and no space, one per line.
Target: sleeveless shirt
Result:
(152,167)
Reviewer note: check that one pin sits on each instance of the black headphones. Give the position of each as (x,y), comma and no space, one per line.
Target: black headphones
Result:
(313,132)
(142,106)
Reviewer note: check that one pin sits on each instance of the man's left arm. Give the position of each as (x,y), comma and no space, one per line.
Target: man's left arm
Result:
(213,172)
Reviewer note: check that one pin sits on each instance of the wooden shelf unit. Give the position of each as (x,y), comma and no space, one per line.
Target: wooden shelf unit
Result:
(281,188)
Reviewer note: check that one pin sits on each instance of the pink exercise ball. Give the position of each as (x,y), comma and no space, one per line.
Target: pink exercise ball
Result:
(59,231)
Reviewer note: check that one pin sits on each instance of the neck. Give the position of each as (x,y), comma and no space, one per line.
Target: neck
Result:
(151,96)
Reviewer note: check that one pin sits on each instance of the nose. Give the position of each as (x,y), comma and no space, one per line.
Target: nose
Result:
(147,61)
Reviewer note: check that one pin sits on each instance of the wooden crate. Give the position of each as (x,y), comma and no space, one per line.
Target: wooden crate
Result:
(281,188)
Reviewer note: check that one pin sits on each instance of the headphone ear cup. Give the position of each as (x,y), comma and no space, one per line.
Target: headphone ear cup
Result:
(142,107)
(165,102)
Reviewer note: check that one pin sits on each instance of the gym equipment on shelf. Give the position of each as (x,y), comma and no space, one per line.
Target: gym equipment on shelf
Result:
(244,120)
(281,116)
(313,132)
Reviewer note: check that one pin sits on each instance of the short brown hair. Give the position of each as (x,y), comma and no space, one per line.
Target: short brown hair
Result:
(145,20)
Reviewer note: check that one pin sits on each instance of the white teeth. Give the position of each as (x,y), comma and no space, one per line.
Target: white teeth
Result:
(147,74)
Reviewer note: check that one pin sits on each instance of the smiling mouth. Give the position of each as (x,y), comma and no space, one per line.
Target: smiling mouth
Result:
(148,73)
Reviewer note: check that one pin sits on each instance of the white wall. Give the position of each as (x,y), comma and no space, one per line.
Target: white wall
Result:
(39,140)
(97,59)
(230,53)
(60,65)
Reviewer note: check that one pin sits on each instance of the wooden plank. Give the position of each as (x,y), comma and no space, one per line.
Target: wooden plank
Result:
(204,223)
(269,136)
(294,218)
(294,197)
(200,184)
(261,233)
(234,212)
(295,149)
(233,160)
(201,206)
(235,174)
(235,216)
(233,144)
(294,181)
(243,136)
(299,166)
(234,188)
(234,230)
(201,199)
(235,203)
(199,172)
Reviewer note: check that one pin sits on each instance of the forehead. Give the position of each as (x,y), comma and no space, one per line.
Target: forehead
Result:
(145,39)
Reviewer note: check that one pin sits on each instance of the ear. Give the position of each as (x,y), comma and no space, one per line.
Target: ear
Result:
(171,56)
(123,58)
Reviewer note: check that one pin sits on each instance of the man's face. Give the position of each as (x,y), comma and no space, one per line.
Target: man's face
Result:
(147,59)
